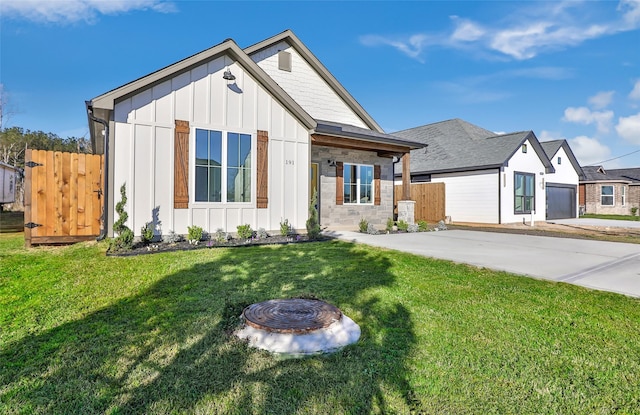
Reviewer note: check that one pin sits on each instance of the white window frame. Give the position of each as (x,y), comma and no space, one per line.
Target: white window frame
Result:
(358,197)
(612,195)
(224,166)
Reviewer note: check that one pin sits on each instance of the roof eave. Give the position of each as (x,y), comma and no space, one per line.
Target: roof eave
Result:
(108,100)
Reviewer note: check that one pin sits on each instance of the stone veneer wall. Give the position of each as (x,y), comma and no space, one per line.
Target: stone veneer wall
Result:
(592,195)
(348,216)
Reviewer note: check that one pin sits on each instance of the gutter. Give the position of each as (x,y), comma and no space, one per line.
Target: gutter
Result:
(105,171)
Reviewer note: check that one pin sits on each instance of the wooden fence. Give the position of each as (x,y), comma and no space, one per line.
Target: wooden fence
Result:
(62,197)
(429,198)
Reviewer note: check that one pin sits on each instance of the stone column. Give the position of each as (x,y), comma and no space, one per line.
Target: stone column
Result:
(406,211)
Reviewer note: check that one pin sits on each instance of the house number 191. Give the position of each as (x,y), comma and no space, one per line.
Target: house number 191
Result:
(289,163)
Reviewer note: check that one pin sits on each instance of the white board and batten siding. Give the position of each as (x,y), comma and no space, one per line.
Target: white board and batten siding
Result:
(520,162)
(564,172)
(306,86)
(470,196)
(144,150)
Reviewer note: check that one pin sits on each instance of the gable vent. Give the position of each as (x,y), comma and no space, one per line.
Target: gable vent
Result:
(284,61)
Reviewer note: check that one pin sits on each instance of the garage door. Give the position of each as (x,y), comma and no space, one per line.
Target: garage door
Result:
(561,201)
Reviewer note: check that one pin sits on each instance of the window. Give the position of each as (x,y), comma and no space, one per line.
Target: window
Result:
(623,194)
(524,192)
(606,195)
(223,167)
(358,184)
(559,160)
(524,148)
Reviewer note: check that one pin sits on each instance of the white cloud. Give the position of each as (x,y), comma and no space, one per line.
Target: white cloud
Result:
(588,150)
(71,11)
(466,30)
(601,99)
(534,28)
(635,93)
(583,115)
(629,128)
(412,47)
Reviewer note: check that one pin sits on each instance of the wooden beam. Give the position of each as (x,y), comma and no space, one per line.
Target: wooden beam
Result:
(406,177)
(354,144)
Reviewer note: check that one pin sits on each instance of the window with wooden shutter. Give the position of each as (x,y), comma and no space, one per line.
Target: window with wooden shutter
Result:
(263,170)
(339,182)
(181,165)
(376,184)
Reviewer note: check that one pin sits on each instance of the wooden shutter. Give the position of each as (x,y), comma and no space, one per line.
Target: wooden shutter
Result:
(263,170)
(339,182)
(376,184)
(181,166)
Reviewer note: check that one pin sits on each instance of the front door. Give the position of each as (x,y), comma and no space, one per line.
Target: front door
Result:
(313,185)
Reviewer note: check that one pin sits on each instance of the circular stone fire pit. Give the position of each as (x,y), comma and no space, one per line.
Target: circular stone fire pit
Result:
(297,327)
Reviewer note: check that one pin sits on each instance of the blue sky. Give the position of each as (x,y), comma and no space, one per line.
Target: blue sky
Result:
(564,69)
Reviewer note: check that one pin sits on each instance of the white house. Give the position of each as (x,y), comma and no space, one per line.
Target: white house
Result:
(230,136)
(489,177)
(561,186)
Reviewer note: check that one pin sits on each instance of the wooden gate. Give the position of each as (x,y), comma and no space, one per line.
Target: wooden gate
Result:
(62,197)
(429,198)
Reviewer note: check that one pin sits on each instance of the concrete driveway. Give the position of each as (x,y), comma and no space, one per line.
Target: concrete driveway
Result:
(600,223)
(608,266)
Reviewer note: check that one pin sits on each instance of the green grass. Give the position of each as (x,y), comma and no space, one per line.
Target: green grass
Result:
(614,217)
(84,333)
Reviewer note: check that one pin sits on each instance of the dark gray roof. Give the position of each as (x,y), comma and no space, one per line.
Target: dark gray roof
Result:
(598,174)
(456,145)
(551,149)
(349,131)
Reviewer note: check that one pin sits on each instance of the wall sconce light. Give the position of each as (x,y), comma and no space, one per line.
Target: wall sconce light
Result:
(228,75)
(332,163)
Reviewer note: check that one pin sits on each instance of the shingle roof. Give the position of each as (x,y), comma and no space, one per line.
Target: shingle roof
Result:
(350,131)
(598,174)
(456,145)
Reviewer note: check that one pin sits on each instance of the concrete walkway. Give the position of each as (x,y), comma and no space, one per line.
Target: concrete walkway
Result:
(607,266)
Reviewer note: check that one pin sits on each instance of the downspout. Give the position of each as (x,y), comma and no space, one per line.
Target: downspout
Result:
(500,172)
(105,171)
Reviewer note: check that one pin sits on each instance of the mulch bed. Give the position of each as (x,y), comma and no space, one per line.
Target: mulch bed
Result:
(157,247)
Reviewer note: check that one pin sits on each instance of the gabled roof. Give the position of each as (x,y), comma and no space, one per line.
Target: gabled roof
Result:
(229,47)
(599,174)
(456,145)
(289,37)
(551,148)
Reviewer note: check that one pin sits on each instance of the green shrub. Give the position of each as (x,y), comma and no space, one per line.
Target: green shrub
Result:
(285,228)
(261,233)
(634,210)
(244,231)
(146,233)
(194,235)
(403,226)
(423,226)
(390,224)
(363,225)
(124,238)
(313,225)
(220,236)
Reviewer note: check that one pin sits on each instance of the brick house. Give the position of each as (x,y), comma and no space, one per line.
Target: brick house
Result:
(614,191)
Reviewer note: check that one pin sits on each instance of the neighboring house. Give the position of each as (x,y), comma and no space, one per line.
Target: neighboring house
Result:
(613,191)
(230,136)
(489,177)
(562,185)
(8,177)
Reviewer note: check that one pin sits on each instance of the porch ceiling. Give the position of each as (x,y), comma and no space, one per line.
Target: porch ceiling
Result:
(382,149)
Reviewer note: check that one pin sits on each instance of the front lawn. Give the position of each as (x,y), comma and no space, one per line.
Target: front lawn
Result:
(614,217)
(81,332)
